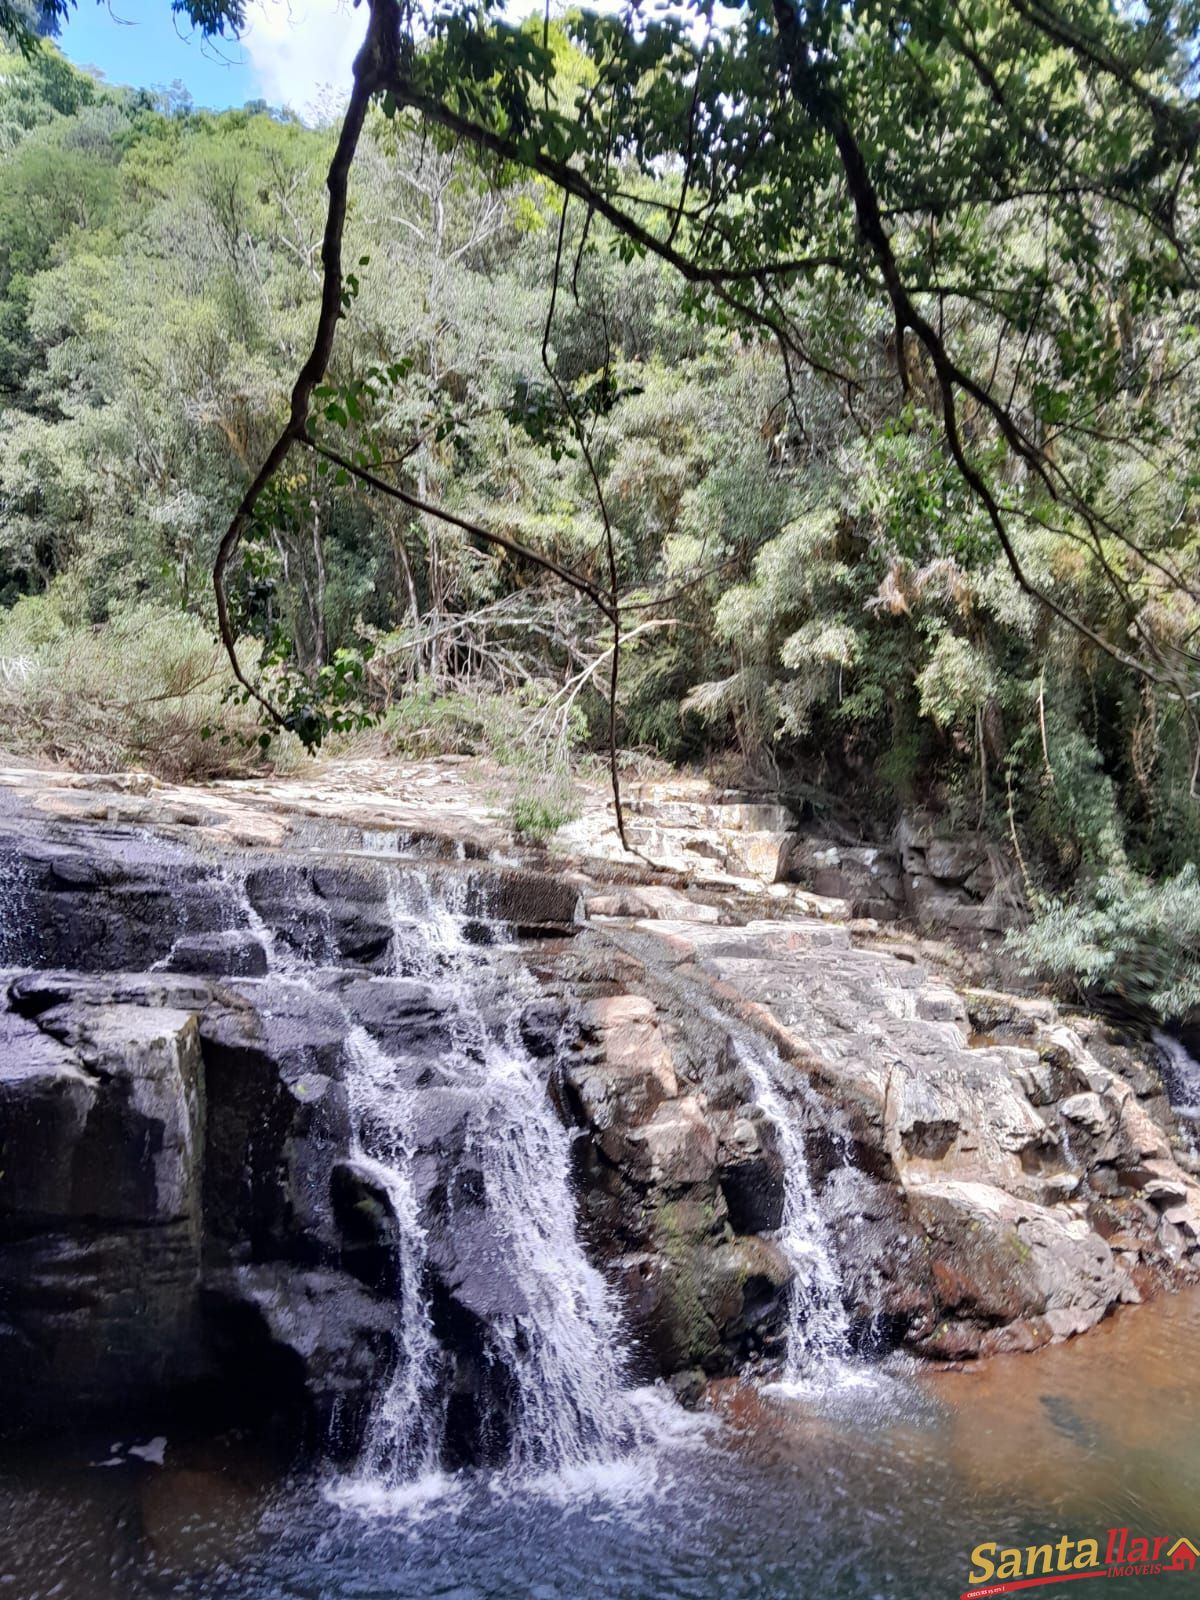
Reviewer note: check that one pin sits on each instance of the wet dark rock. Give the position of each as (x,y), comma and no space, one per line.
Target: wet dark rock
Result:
(689,1387)
(465,1254)
(226,954)
(885,1257)
(313,1345)
(751,1174)
(703,1297)
(100,1208)
(277,1125)
(366,1221)
(97,899)
(943,881)
(542,1024)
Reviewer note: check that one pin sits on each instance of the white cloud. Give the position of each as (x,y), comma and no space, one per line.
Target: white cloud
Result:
(303,50)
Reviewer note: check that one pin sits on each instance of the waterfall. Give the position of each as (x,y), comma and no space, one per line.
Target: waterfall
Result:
(817,1354)
(1181,1078)
(18,930)
(565,1351)
(818,1331)
(550,1343)
(283,962)
(278,961)
(405,1433)
(562,1349)
(554,1348)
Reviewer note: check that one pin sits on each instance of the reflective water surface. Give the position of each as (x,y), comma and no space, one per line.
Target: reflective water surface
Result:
(880,1493)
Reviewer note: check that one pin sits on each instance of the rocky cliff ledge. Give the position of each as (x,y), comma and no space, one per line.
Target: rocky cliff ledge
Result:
(183,1218)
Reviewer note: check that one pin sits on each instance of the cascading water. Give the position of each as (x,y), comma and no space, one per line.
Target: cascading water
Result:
(405,1432)
(553,1342)
(280,961)
(18,936)
(1181,1076)
(565,1351)
(562,1349)
(557,1348)
(818,1331)
(817,1354)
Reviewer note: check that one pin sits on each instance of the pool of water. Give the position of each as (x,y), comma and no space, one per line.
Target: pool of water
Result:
(879,1492)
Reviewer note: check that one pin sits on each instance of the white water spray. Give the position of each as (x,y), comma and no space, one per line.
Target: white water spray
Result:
(818,1330)
(404,1438)
(1181,1077)
(560,1346)
(565,1351)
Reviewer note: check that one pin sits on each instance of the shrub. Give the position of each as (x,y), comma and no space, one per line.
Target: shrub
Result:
(455,723)
(1122,937)
(138,691)
(541,807)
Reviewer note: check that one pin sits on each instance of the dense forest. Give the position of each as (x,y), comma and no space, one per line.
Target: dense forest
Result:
(812,598)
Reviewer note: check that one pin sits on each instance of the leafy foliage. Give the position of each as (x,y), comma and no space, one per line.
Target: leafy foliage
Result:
(1133,940)
(917,559)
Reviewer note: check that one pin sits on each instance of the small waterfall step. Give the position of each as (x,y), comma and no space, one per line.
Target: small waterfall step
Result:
(817,1350)
(1181,1075)
(818,1353)
(404,1436)
(490,1223)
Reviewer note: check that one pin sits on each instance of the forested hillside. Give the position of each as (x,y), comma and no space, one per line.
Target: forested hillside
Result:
(811,597)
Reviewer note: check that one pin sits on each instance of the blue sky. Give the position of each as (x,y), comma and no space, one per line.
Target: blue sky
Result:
(295,52)
(138,42)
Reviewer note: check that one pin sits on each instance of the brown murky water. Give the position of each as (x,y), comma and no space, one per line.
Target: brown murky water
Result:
(1112,1419)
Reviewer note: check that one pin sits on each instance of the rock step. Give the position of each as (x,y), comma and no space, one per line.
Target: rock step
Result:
(749,853)
(125,900)
(735,818)
(755,942)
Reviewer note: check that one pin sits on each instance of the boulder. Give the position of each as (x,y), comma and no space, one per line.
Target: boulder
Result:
(1010,1275)
(676,1146)
(631,1073)
(229,953)
(751,1171)
(277,1123)
(954,860)
(101,1135)
(310,1344)
(1087,1110)
(865,879)
(654,901)
(886,1278)
(702,1298)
